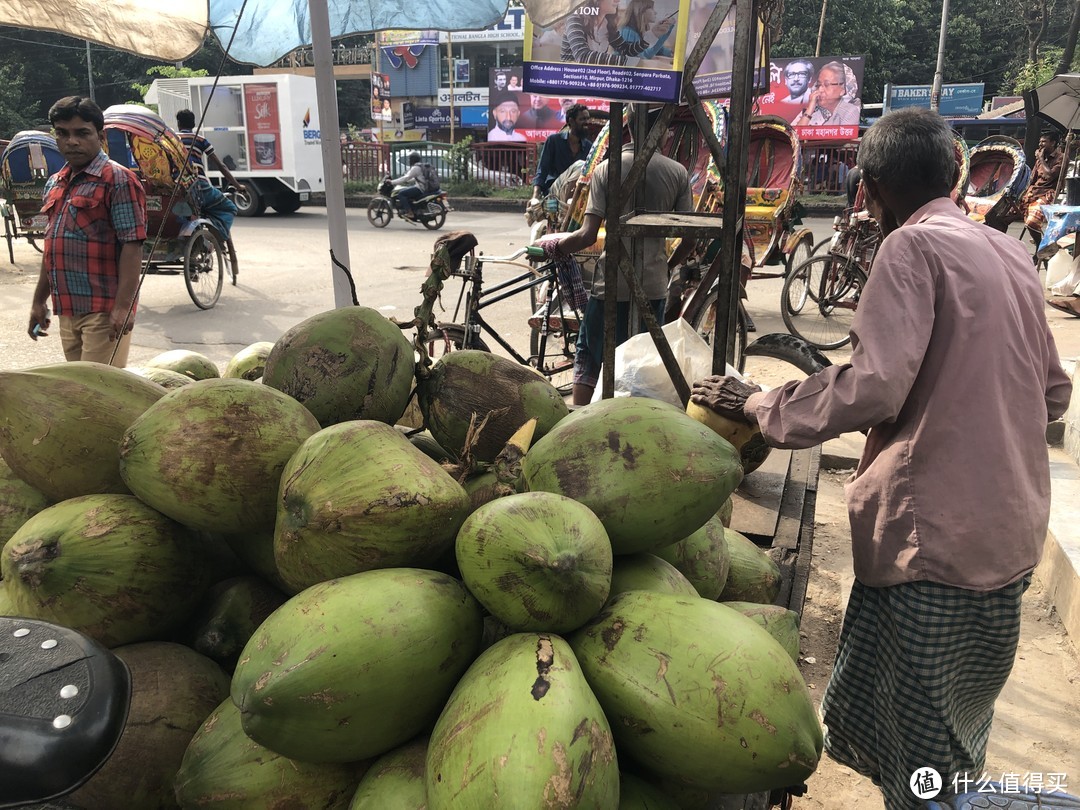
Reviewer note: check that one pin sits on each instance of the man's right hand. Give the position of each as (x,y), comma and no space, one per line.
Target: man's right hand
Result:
(39,322)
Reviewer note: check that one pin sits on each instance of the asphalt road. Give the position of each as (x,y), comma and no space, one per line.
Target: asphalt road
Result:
(285,277)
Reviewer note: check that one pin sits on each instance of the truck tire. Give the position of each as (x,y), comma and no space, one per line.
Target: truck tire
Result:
(287,203)
(249,202)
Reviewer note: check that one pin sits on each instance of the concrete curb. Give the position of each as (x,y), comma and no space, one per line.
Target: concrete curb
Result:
(1059,571)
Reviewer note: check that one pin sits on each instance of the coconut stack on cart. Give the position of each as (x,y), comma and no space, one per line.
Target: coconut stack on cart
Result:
(323,606)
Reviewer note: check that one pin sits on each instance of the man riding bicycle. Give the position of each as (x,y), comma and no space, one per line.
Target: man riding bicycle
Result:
(422,181)
(218,208)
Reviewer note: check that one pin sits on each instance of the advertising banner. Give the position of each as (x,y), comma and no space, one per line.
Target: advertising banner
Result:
(464,96)
(263,126)
(408,116)
(520,117)
(380,97)
(398,37)
(462,71)
(821,95)
(439,117)
(633,51)
(956,99)
(511,29)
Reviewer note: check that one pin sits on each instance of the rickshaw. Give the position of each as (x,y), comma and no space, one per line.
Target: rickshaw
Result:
(179,239)
(772,231)
(998,176)
(26,163)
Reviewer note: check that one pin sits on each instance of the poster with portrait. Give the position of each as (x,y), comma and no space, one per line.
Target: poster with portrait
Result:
(380,97)
(633,50)
(820,95)
(515,116)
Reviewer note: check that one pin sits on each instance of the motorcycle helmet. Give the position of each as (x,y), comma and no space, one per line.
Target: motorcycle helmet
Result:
(414,158)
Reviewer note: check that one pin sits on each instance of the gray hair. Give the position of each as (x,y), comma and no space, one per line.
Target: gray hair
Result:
(912,146)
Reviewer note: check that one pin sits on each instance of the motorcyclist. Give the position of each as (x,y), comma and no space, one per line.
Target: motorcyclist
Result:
(415,188)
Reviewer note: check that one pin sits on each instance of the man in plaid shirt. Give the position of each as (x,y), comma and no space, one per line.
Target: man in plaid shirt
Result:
(93,244)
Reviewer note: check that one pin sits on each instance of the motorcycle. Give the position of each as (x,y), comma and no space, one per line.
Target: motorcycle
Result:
(430,210)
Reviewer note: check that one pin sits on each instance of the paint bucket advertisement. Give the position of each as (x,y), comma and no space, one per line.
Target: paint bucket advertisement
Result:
(263,126)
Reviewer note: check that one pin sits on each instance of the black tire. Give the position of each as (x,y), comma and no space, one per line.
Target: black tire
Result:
(802,251)
(833,287)
(232,266)
(435,216)
(450,337)
(203,268)
(704,323)
(287,203)
(10,237)
(819,245)
(380,212)
(249,202)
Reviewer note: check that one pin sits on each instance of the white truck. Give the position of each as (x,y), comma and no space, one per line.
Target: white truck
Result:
(264,128)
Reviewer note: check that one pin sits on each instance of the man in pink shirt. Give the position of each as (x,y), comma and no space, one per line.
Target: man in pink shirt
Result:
(954,374)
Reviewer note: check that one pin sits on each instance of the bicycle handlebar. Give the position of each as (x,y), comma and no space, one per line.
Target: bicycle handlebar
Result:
(532,251)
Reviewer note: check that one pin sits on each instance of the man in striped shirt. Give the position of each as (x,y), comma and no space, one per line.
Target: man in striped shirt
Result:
(212,203)
(93,243)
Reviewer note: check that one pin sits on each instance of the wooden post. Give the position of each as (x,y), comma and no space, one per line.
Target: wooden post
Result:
(613,250)
(734,174)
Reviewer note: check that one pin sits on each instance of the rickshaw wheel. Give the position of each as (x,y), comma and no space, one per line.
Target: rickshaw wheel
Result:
(801,252)
(704,323)
(35,244)
(231,266)
(204,268)
(10,237)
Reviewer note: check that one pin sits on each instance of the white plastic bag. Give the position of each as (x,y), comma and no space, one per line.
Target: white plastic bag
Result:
(640,372)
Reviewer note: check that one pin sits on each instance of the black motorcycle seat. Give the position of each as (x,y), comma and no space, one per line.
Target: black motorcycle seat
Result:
(63,704)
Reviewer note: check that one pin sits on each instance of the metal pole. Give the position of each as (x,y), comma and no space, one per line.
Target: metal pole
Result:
(821,27)
(89,71)
(613,247)
(326,96)
(935,92)
(450,74)
(734,175)
(637,246)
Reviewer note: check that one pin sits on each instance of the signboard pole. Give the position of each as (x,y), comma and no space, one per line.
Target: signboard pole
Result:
(450,74)
(935,92)
(734,175)
(326,96)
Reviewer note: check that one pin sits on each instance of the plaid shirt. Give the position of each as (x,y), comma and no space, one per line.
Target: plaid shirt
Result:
(90,215)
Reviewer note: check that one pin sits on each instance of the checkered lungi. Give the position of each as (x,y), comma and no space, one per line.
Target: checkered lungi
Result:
(917,672)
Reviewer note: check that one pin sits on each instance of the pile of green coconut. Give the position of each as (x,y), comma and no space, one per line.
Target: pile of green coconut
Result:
(343,579)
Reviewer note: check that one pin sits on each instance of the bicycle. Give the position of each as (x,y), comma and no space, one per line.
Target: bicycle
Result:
(555,322)
(820,296)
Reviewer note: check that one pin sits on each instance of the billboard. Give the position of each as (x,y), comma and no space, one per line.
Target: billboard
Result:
(820,95)
(516,116)
(956,99)
(630,52)
(263,125)
(380,97)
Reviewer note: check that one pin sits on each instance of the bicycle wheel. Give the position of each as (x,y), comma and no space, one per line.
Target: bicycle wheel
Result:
(204,268)
(801,252)
(554,358)
(450,337)
(379,213)
(795,291)
(704,323)
(833,286)
(819,245)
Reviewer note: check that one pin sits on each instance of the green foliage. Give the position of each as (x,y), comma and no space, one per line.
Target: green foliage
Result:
(16,111)
(166,72)
(460,157)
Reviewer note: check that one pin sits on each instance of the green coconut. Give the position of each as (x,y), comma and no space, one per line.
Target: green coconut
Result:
(536,561)
(650,473)
(106,565)
(357,496)
(210,454)
(190,364)
(509,394)
(18,502)
(483,488)
(60,426)
(781,623)
(646,572)
(173,689)
(726,511)
(523,723)
(231,612)
(702,558)
(426,444)
(753,576)
(256,550)
(698,693)
(348,363)
(169,380)
(248,363)
(636,793)
(224,769)
(395,781)
(353,667)
(7,608)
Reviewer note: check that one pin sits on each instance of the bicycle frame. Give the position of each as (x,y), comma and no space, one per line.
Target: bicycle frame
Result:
(476,299)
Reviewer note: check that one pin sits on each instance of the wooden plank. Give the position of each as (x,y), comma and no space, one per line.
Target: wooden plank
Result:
(657,224)
(790,517)
(757,500)
(801,576)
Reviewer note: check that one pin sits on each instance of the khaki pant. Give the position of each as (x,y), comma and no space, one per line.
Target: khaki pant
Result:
(86,337)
